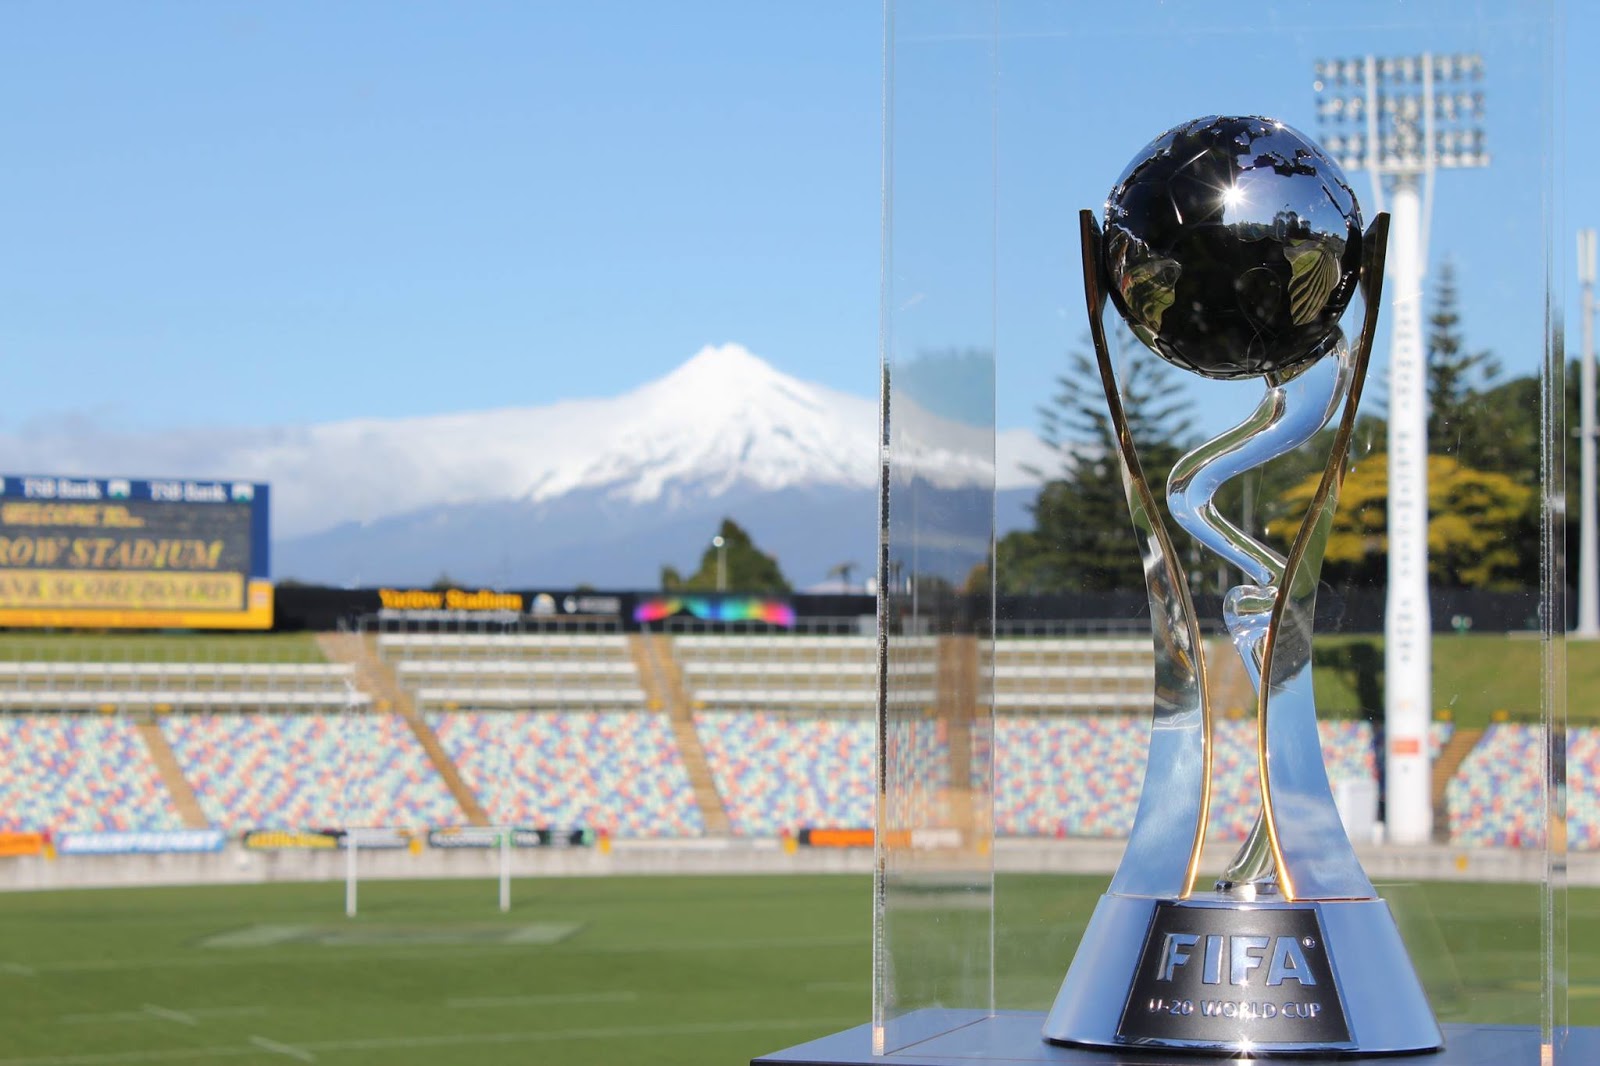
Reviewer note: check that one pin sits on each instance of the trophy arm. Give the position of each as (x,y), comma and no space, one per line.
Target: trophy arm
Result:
(1313,856)
(1292,410)
(1162,858)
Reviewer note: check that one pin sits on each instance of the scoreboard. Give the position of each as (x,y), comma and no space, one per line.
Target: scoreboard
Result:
(132,553)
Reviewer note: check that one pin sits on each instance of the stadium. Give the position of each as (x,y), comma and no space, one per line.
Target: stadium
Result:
(591,832)
(396,663)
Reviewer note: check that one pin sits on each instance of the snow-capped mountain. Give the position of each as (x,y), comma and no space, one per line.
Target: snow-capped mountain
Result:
(602,491)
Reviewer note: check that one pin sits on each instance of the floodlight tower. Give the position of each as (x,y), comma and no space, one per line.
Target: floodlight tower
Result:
(1401,119)
(1588,550)
(721,544)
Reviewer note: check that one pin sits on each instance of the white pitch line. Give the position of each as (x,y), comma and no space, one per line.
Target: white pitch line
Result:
(168,1014)
(536,1001)
(16,969)
(282,1049)
(724,945)
(116,1057)
(147,1016)
(112,1016)
(184,962)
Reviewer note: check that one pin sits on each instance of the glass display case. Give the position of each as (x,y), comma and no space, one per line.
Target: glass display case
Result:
(1021,672)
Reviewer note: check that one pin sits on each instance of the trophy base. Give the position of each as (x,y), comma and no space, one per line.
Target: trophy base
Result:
(1217,973)
(1011,1038)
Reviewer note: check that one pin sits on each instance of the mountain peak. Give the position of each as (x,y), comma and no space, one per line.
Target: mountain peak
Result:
(723,424)
(729,358)
(722,374)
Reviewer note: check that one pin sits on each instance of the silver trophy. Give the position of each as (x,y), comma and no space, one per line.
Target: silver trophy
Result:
(1232,247)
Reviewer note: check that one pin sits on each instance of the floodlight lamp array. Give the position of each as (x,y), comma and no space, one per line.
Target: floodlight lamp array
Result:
(1402,115)
(1447,107)
(1462,67)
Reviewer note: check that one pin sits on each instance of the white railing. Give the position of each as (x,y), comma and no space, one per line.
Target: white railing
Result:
(468,696)
(78,684)
(446,668)
(119,700)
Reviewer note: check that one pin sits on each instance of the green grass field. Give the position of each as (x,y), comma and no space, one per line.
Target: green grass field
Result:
(25,645)
(1475,676)
(665,970)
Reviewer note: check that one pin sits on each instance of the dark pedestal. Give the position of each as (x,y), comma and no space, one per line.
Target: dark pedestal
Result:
(967,1037)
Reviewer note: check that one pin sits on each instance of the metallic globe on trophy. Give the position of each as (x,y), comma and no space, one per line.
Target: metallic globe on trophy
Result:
(1232,247)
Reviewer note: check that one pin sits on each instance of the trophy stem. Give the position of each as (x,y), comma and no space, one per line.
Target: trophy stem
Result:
(1253,864)
(1315,860)
(1293,410)
(1162,858)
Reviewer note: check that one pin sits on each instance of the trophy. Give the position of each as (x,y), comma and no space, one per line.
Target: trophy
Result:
(1232,247)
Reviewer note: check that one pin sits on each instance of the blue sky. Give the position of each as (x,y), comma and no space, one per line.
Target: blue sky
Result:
(249,215)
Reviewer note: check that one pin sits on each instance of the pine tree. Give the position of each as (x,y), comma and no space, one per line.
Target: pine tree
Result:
(1456,380)
(743,567)
(1082,538)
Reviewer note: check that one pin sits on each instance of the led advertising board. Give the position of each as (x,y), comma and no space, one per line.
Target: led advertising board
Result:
(81,552)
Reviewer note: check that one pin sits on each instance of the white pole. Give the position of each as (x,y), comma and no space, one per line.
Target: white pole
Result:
(352,750)
(1588,554)
(349,872)
(505,869)
(1408,629)
(507,789)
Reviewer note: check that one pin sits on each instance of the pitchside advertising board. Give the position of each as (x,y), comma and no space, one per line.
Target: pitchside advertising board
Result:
(383,839)
(131,553)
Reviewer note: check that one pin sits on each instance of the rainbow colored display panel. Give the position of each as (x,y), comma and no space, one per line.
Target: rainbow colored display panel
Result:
(716,609)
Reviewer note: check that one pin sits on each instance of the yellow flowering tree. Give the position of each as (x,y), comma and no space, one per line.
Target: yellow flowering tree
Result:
(1478,524)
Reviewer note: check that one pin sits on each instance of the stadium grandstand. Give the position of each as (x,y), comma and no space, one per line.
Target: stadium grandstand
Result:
(658,733)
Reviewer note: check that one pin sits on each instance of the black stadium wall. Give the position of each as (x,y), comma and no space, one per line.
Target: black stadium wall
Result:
(324,609)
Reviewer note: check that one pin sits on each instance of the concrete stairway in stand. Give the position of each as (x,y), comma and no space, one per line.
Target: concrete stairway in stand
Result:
(662,680)
(374,677)
(166,764)
(958,703)
(1461,743)
(1228,685)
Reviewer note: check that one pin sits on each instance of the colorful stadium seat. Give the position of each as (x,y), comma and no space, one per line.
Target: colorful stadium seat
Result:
(781,772)
(309,770)
(1494,799)
(617,771)
(778,772)
(1080,775)
(78,772)
(1583,788)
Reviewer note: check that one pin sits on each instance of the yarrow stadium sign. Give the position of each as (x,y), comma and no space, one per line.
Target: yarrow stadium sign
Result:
(129,553)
